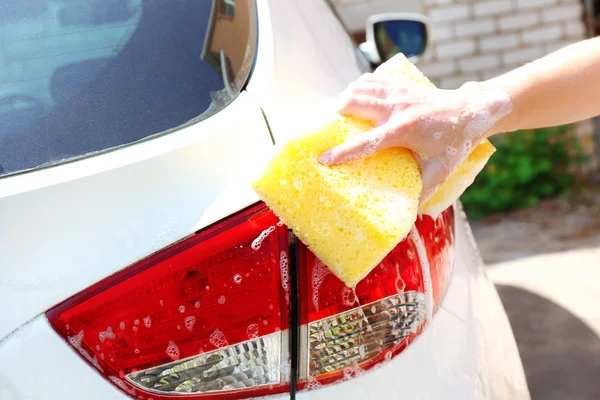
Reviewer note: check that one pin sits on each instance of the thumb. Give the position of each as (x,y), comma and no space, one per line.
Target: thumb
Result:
(356,148)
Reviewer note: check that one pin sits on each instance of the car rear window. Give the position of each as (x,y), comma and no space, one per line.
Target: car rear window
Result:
(79,77)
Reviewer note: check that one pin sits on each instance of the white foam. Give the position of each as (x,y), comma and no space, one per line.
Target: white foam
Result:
(257,243)
(252,331)
(319,272)
(361,351)
(284,266)
(451,151)
(348,297)
(76,341)
(173,350)
(121,384)
(217,339)
(108,334)
(425,270)
(189,322)
(312,383)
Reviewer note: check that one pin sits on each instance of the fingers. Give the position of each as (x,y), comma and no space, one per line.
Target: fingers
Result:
(365,107)
(356,148)
(378,90)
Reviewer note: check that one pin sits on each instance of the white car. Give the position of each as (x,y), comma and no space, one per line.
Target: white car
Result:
(135,260)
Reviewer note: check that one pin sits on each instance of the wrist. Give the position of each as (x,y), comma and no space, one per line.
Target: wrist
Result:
(497,103)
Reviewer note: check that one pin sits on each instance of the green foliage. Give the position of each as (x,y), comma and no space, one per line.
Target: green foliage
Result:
(528,166)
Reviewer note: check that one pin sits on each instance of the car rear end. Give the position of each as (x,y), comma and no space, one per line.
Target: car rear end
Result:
(137,263)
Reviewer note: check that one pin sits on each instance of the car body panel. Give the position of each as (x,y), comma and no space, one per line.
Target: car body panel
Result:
(301,69)
(143,197)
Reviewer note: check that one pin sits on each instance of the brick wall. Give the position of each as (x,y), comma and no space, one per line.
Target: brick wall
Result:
(479,39)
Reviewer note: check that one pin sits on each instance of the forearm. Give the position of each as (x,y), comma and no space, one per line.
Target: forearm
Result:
(561,88)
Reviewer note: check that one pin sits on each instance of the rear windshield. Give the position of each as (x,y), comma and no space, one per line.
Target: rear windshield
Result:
(82,76)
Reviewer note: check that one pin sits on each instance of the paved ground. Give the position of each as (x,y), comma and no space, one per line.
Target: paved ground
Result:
(546,265)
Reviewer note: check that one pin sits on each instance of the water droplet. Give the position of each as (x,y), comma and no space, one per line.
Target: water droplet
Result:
(252,331)
(147,322)
(270,306)
(217,339)
(122,325)
(162,303)
(265,322)
(437,135)
(136,322)
(189,322)
(178,327)
(97,347)
(135,329)
(237,278)
(136,351)
(221,300)
(173,350)
(108,334)
(197,304)
(182,309)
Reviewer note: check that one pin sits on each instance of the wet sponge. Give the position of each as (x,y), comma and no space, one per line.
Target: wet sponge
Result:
(352,215)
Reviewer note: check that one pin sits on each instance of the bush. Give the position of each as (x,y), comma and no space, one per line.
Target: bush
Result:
(528,166)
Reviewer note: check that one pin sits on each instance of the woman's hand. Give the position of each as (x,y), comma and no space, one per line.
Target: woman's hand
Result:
(441,127)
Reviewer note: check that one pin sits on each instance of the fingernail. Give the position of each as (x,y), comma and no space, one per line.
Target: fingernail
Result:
(325,158)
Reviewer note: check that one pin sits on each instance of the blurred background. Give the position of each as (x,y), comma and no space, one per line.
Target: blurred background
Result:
(535,209)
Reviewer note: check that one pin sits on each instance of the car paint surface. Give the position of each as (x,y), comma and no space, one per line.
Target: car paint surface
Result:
(66,227)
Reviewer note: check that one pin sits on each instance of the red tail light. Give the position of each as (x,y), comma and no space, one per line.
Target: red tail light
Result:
(344,332)
(202,317)
(208,317)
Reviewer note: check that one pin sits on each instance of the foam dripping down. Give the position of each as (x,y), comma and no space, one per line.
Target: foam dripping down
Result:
(425,270)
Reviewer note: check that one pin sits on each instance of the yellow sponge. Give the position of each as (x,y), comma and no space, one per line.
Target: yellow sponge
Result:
(352,215)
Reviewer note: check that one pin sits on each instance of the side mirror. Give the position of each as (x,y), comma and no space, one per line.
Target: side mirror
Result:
(392,33)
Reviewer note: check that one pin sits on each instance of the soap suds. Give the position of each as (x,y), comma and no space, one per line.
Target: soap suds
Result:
(257,243)
(172,350)
(425,270)
(76,341)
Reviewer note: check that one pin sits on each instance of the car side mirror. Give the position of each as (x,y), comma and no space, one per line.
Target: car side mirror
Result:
(392,33)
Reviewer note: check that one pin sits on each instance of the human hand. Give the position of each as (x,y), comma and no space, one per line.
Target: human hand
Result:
(440,127)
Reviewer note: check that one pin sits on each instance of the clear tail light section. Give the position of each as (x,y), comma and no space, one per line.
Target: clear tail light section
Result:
(344,332)
(204,318)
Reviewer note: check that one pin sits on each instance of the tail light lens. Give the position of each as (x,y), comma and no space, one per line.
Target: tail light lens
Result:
(208,317)
(345,331)
(204,317)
